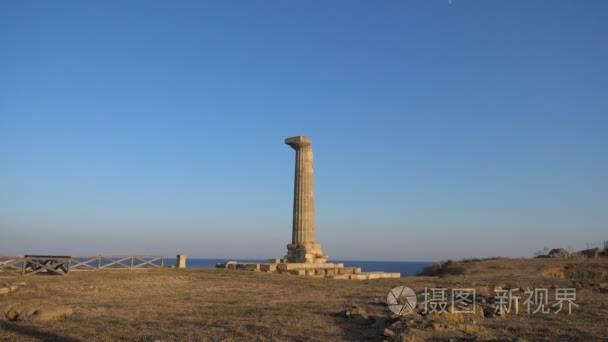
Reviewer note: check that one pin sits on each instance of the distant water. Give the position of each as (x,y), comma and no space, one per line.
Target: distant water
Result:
(404,267)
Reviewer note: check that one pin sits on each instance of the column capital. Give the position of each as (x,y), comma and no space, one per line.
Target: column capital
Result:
(298,142)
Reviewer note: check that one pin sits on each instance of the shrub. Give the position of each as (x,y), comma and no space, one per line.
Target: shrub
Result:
(435,269)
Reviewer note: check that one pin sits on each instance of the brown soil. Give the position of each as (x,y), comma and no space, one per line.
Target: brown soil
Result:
(206,304)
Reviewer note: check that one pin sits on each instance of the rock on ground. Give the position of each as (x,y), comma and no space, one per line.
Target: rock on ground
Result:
(35,312)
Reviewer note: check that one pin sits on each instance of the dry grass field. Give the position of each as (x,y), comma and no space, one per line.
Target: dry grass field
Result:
(209,304)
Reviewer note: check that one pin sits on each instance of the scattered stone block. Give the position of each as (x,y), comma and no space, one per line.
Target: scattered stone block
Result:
(268,267)
(338,276)
(388,333)
(373,275)
(446,317)
(252,267)
(35,312)
(358,276)
(345,270)
(298,272)
(180,261)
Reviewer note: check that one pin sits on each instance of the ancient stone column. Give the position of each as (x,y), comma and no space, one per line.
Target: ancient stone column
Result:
(303,196)
(180,261)
(303,247)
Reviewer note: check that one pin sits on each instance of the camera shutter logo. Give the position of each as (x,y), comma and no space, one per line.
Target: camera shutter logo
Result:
(401,300)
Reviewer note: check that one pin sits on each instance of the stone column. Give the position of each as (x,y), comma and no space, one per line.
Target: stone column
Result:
(303,192)
(180,261)
(303,247)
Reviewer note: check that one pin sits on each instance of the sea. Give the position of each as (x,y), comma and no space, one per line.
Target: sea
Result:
(408,268)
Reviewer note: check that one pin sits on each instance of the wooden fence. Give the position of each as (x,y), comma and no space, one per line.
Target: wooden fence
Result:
(12,264)
(124,262)
(26,265)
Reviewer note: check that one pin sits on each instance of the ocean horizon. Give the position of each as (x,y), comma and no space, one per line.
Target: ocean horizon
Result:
(408,268)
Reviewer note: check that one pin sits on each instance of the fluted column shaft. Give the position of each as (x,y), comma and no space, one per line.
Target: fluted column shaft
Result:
(303,196)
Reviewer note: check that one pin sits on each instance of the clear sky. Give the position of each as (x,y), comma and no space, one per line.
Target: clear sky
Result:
(440,130)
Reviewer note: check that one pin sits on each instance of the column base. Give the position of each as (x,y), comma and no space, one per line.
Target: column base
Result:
(305,253)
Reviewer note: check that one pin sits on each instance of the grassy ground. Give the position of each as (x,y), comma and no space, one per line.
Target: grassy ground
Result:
(199,304)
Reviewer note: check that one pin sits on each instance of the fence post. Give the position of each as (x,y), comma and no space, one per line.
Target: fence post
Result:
(162,260)
(99,263)
(132,261)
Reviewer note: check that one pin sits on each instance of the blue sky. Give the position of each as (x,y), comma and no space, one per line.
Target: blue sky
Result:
(470,129)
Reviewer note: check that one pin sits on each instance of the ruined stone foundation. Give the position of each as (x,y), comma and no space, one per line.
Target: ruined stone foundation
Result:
(319,270)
